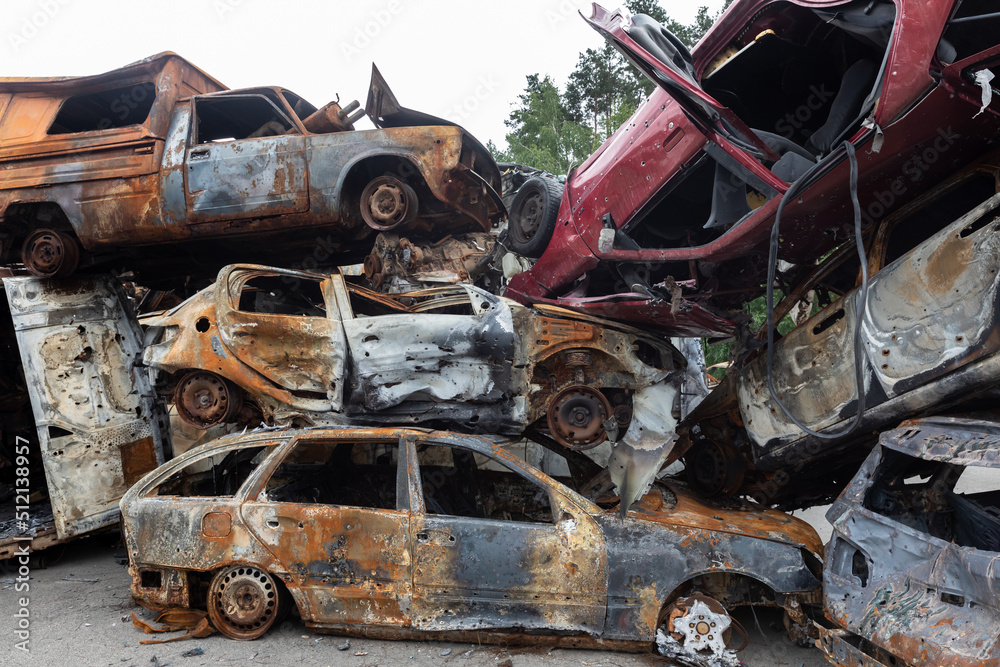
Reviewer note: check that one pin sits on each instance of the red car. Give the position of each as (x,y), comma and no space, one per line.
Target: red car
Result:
(667,224)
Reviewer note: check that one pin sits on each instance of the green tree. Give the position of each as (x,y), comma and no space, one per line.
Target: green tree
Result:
(542,133)
(604,90)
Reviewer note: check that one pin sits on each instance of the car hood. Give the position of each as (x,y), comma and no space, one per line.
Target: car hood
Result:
(736,517)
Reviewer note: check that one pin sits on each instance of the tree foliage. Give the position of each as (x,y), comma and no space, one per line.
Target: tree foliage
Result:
(554,130)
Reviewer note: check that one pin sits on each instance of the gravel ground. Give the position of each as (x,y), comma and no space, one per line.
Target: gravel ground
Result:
(81,615)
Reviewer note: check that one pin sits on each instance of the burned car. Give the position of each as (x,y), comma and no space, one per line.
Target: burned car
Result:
(403,533)
(927,343)
(667,224)
(158,160)
(910,572)
(280,345)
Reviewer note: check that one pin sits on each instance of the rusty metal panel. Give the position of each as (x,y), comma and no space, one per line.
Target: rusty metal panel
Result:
(928,313)
(98,422)
(536,574)
(264,176)
(397,264)
(461,358)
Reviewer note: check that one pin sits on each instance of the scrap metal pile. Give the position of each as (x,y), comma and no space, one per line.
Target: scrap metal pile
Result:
(471,398)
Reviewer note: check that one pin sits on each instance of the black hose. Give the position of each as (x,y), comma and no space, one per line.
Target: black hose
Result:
(859,357)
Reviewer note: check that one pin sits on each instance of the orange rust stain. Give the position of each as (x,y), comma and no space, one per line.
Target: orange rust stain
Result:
(950,260)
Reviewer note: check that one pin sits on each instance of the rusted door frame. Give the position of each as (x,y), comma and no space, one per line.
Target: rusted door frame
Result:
(557,573)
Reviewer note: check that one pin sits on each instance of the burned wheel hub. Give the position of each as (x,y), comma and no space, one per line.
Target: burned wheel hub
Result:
(387,203)
(576,417)
(243,602)
(50,254)
(530,216)
(204,399)
(714,469)
(700,627)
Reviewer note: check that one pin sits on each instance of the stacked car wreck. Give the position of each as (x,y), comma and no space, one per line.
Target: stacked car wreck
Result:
(499,309)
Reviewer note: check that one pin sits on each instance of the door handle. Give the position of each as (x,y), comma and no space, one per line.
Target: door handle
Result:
(272,523)
(422,536)
(284,522)
(199,154)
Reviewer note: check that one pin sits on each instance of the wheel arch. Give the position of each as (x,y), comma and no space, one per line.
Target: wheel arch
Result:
(366,166)
(24,216)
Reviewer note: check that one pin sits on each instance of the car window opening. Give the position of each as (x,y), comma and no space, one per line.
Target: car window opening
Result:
(239,117)
(350,474)
(456,482)
(302,108)
(217,476)
(971,31)
(802,75)
(953,503)
(280,295)
(105,110)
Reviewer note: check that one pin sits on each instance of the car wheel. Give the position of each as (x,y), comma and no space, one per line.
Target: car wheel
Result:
(697,629)
(387,203)
(244,602)
(533,214)
(204,399)
(576,417)
(50,254)
(714,469)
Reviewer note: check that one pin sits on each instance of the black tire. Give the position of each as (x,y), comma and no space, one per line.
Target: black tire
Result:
(533,215)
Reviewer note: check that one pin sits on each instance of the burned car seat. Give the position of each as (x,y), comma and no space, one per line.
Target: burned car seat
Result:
(855,86)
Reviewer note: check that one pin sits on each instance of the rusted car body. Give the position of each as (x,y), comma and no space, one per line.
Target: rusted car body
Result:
(316,349)
(158,153)
(929,339)
(910,572)
(79,422)
(399,533)
(667,224)
(399,264)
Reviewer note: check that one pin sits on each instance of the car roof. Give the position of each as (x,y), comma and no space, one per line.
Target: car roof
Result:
(152,64)
(484,444)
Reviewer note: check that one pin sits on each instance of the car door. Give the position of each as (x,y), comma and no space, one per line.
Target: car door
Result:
(99,425)
(335,514)
(675,77)
(497,547)
(242,162)
(287,328)
(437,357)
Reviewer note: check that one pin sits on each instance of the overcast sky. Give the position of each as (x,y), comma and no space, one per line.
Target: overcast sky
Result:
(464,61)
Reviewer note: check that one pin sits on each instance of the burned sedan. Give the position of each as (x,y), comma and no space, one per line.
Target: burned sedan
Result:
(910,574)
(280,345)
(425,534)
(667,224)
(158,160)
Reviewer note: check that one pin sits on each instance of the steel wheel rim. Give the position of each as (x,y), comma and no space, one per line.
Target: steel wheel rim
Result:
(204,399)
(387,203)
(529,217)
(48,254)
(243,602)
(576,417)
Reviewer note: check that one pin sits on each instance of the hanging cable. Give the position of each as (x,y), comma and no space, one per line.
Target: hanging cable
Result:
(859,357)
